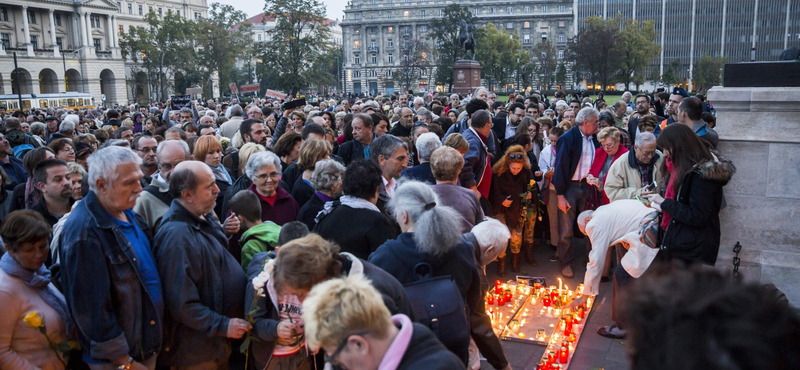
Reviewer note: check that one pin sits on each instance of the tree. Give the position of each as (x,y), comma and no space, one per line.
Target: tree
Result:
(544,55)
(497,53)
(299,37)
(561,75)
(413,62)
(638,49)
(323,67)
(444,32)
(595,49)
(223,37)
(708,72)
(166,46)
(671,75)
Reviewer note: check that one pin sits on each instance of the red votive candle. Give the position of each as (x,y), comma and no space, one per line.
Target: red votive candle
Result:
(563,355)
(552,357)
(507,296)
(501,301)
(490,299)
(546,301)
(497,283)
(541,366)
(498,290)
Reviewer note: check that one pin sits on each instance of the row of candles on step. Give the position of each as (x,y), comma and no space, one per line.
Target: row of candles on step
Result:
(564,340)
(504,293)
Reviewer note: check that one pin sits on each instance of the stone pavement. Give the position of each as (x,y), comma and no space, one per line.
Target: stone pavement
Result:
(594,351)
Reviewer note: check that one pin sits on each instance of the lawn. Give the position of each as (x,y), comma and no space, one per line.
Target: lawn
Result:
(609,98)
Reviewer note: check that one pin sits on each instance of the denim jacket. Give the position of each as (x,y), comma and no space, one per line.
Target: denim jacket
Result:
(100,278)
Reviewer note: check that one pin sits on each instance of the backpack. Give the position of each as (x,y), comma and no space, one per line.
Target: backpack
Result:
(437,304)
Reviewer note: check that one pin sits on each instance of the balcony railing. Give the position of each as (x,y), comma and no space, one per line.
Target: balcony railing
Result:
(372,49)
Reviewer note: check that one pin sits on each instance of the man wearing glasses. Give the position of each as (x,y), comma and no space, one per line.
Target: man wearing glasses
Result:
(642,104)
(505,127)
(630,174)
(146,146)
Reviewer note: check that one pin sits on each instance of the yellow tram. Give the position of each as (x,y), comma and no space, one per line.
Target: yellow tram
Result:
(67,100)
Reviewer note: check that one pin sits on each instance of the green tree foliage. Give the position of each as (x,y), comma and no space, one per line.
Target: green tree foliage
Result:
(595,50)
(638,48)
(444,33)
(165,45)
(222,38)
(561,74)
(708,72)
(298,39)
(497,52)
(544,55)
(323,68)
(413,62)
(672,74)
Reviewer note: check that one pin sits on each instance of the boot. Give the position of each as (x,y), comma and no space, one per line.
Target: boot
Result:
(501,267)
(528,248)
(515,260)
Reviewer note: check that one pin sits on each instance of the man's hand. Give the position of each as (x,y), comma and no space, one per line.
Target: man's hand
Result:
(237,328)
(287,112)
(507,202)
(286,330)
(578,301)
(550,173)
(231,224)
(563,205)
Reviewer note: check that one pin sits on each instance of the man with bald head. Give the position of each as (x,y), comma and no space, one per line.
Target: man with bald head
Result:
(403,127)
(202,281)
(155,199)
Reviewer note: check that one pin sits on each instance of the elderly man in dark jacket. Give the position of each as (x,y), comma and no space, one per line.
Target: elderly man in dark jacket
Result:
(203,283)
(574,156)
(108,275)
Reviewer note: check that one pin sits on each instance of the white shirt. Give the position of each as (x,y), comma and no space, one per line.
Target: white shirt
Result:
(390,185)
(611,224)
(587,156)
(510,130)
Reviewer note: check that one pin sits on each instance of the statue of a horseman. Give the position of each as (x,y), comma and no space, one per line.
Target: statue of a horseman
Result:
(466,40)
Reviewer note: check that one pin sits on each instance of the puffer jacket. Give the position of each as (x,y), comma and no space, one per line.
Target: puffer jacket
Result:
(624,180)
(693,233)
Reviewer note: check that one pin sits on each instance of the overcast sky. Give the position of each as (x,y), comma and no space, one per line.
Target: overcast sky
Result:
(252,7)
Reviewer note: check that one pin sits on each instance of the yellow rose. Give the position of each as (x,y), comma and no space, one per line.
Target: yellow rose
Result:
(533,182)
(33,319)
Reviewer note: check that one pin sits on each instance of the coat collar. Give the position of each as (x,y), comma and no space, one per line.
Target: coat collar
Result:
(177,212)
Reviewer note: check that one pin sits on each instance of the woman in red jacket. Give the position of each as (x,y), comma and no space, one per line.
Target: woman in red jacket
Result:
(603,158)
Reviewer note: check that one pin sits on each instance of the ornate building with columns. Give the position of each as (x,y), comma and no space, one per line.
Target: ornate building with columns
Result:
(74,46)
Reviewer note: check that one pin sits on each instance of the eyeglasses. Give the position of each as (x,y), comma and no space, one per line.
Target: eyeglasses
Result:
(332,358)
(264,176)
(516,157)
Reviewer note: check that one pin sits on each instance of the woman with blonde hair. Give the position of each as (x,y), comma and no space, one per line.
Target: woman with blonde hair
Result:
(457,142)
(511,176)
(311,152)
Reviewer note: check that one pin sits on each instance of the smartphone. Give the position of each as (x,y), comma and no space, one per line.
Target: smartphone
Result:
(651,187)
(644,201)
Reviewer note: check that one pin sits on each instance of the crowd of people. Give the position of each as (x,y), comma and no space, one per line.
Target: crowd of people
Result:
(314,233)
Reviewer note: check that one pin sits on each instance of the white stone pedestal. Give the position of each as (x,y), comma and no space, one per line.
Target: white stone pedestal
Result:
(759,130)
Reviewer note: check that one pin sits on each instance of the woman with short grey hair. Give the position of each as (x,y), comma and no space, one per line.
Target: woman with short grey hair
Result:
(327,182)
(431,235)
(277,205)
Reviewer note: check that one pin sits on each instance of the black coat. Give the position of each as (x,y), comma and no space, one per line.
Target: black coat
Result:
(425,351)
(357,231)
(350,151)
(302,192)
(509,185)
(693,233)
(308,212)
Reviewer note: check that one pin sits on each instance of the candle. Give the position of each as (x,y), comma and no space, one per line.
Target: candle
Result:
(513,288)
(573,338)
(551,357)
(501,301)
(497,283)
(498,290)
(541,366)
(540,334)
(560,284)
(490,299)
(546,301)
(522,335)
(507,295)
(563,355)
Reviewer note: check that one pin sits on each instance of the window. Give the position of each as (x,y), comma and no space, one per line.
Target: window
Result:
(197,16)
(527,9)
(357,44)
(492,10)
(31,17)
(441,12)
(4,14)
(373,30)
(510,10)
(562,38)
(509,25)
(475,12)
(391,58)
(389,73)
(35,42)
(356,74)
(119,7)
(390,43)
(562,8)
(95,20)
(526,25)
(356,59)
(374,59)
(391,29)
(96,44)
(405,14)
(141,11)
(422,13)
(60,42)
(160,13)
(544,8)
(526,39)
(130,8)
(373,44)
(389,1)
(373,2)
(121,30)
(356,31)
(561,54)
(561,24)
(259,37)
(388,15)
(5,39)
(423,28)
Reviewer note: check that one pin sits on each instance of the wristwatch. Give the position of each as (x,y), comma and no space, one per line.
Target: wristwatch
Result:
(126,365)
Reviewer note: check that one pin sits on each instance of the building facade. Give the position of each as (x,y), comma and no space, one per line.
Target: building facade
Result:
(74,46)
(374,31)
(739,30)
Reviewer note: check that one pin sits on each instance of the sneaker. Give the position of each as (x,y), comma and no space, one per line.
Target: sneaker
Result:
(567,272)
(612,331)
(554,258)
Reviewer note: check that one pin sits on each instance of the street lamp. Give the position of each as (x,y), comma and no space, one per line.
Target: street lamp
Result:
(338,78)
(517,86)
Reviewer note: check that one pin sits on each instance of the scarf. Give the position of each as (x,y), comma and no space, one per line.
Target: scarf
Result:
(39,280)
(32,195)
(345,200)
(220,173)
(669,194)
